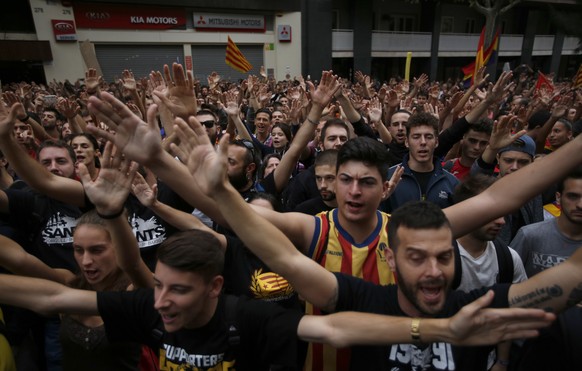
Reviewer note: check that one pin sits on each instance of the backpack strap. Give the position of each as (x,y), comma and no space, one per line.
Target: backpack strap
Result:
(504,261)
(458,266)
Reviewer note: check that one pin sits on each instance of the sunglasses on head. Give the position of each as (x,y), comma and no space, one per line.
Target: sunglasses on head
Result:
(247,144)
(209,124)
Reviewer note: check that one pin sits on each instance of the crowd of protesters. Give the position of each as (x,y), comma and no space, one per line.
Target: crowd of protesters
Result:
(342,171)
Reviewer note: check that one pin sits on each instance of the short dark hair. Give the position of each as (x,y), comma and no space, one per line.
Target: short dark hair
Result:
(415,215)
(482,126)
(58,115)
(274,201)
(328,157)
(333,122)
(471,186)
(366,150)
(252,155)
(207,111)
(57,144)
(264,110)
(422,119)
(567,124)
(574,174)
(193,251)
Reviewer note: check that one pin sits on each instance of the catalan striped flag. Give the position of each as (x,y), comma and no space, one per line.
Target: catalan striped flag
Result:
(577,82)
(543,82)
(235,58)
(483,58)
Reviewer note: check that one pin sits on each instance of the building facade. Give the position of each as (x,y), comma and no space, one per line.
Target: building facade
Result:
(57,39)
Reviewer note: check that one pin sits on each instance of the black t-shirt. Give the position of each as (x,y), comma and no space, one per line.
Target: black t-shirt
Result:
(49,225)
(422,178)
(361,296)
(268,334)
(149,229)
(312,206)
(246,275)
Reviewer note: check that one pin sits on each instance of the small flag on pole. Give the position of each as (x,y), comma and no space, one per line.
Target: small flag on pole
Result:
(235,58)
(577,83)
(544,82)
(482,58)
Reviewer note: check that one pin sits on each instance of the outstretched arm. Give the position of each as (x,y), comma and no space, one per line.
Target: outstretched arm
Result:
(320,98)
(555,289)
(46,297)
(208,168)
(473,325)
(58,187)
(108,193)
(514,190)
(15,259)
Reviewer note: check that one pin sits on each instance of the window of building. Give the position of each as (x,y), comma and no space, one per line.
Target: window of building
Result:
(470,25)
(395,22)
(447,24)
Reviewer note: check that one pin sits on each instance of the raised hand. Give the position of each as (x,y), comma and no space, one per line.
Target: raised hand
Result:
(92,81)
(328,86)
(128,81)
(502,134)
(480,77)
(207,166)
(475,324)
(375,110)
(179,95)
(418,83)
(495,93)
(8,117)
(138,140)
(231,103)
(146,194)
(109,190)
(67,107)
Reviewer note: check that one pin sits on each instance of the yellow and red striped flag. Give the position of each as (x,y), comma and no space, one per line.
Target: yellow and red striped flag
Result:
(235,58)
(578,78)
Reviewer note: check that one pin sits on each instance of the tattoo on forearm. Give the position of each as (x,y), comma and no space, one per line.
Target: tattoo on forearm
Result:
(575,296)
(537,297)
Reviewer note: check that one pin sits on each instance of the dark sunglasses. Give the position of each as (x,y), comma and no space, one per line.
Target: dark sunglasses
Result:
(209,124)
(247,144)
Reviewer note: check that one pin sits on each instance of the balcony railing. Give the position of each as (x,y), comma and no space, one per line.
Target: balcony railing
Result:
(397,44)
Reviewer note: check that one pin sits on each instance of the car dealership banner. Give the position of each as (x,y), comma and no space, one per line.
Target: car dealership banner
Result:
(231,22)
(112,16)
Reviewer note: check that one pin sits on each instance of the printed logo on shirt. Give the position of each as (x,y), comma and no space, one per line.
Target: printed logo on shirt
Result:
(270,286)
(436,356)
(381,251)
(174,358)
(147,232)
(443,195)
(544,261)
(59,229)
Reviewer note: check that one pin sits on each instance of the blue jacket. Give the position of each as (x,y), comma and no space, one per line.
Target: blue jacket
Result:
(440,187)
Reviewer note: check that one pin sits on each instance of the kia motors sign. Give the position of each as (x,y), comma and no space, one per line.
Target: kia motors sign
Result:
(230,22)
(64,30)
(112,16)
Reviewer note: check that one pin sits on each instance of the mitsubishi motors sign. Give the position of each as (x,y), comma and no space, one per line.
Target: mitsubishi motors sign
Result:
(64,30)
(112,16)
(228,22)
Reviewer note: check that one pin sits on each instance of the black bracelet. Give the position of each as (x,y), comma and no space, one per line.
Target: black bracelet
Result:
(111,216)
(312,122)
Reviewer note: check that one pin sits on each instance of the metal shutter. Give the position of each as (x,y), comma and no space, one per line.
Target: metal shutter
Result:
(208,58)
(140,59)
